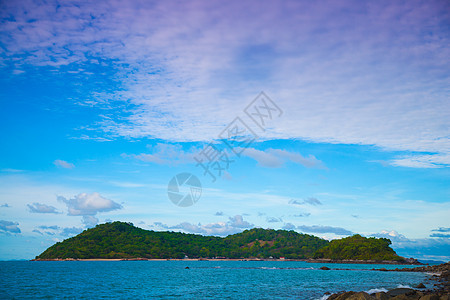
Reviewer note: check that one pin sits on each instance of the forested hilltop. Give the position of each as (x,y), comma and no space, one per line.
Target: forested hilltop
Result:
(123,240)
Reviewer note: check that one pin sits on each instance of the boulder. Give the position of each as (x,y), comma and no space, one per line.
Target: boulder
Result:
(430,297)
(361,296)
(381,296)
(400,291)
(324,268)
(420,286)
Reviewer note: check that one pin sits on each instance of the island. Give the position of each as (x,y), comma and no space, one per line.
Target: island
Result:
(123,241)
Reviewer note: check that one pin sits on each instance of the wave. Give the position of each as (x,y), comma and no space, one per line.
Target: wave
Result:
(376,290)
(404,286)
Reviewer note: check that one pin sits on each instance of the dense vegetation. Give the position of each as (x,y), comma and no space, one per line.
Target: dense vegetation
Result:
(358,247)
(123,240)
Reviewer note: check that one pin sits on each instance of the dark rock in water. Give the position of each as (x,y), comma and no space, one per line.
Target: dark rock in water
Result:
(383,269)
(400,291)
(420,286)
(187,268)
(324,268)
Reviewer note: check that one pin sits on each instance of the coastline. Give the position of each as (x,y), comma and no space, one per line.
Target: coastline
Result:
(323,261)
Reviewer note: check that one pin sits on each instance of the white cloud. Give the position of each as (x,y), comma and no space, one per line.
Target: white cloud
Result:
(9,227)
(71,231)
(88,204)
(238,222)
(63,164)
(289,226)
(42,208)
(90,221)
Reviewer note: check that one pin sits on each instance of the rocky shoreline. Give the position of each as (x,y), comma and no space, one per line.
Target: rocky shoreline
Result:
(441,291)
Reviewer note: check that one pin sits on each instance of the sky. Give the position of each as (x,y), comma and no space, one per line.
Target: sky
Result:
(330,118)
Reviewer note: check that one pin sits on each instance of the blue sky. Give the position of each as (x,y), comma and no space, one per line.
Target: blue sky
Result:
(102,104)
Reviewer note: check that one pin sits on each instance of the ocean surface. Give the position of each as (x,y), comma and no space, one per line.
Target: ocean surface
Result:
(203,279)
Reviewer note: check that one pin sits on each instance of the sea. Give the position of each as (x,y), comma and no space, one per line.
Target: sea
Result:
(195,279)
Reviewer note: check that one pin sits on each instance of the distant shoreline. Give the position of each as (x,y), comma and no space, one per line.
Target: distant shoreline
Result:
(323,261)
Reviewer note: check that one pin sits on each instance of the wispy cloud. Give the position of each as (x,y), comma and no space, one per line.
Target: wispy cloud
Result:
(274,158)
(71,231)
(423,161)
(324,229)
(63,164)
(289,226)
(273,219)
(302,215)
(440,235)
(9,227)
(167,154)
(311,201)
(42,208)
(442,229)
(355,94)
(233,225)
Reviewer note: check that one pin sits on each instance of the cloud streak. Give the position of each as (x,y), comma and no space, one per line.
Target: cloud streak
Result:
(324,229)
(63,164)
(42,208)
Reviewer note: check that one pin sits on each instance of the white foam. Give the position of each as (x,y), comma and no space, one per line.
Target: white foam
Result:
(324,297)
(402,286)
(376,290)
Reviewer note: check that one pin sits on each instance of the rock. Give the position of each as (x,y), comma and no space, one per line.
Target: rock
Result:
(400,291)
(381,296)
(351,296)
(360,296)
(341,296)
(430,297)
(187,268)
(403,297)
(324,268)
(420,286)
(382,269)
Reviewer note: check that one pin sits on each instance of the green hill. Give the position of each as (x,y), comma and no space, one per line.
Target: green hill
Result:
(360,248)
(123,240)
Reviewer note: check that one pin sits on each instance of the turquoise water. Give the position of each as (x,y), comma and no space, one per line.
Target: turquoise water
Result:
(203,279)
